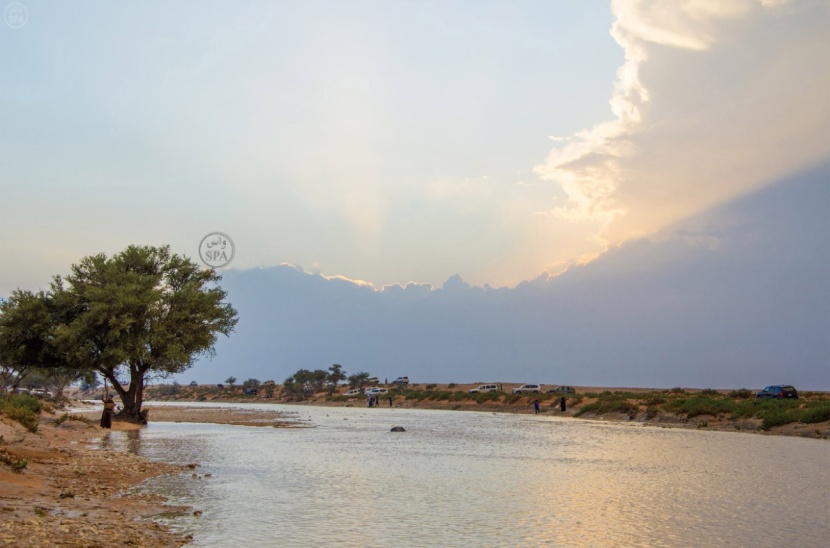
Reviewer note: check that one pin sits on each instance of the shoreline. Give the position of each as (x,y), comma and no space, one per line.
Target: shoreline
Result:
(73,488)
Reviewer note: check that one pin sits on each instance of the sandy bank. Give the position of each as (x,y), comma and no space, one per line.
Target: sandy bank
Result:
(71,491)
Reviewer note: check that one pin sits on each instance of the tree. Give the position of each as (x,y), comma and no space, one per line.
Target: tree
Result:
(358,380)
(27,336)
(336,374)
(250,383)
(230,381)
(144,312)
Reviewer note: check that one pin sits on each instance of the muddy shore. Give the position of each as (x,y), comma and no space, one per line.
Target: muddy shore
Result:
(73,489)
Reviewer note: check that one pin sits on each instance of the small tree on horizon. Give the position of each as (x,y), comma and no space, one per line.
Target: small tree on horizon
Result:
(230,381)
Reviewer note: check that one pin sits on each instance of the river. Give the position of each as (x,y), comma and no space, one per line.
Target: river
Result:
(458,478)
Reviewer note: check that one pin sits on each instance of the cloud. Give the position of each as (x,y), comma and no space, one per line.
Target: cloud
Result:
(734,297)
(715,99)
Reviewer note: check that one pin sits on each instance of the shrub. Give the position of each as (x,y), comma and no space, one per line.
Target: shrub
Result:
(451,385)
(22,408)
(742,394)
(692,407)
(17,465)
(818,413)
(709,392)
(432,386)
(608,405)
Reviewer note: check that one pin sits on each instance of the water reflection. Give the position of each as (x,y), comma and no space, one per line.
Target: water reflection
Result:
(455,479)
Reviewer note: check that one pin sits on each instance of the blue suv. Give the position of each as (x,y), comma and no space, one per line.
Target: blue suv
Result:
(778,391)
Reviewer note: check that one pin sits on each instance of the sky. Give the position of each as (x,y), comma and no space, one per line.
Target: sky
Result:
(490,145)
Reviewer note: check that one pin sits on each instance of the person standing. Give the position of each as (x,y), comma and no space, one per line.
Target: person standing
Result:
(106,416)
(390,401)
(536,406)
(562,405)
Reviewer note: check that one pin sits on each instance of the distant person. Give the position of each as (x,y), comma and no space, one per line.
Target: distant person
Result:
(106,416)
(536,406)
(562,406)
(390,401)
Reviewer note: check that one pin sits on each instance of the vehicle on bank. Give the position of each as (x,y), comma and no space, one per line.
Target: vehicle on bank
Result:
(194,383)
(401,380)
(376,391)
(353,392)
(250,391)
(562,390)
(528,389)
(778,391)
(40,393)
(373,380)
(269,383)
(484,388)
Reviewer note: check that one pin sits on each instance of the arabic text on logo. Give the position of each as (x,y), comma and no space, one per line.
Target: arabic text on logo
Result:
(216,249)
(16,15)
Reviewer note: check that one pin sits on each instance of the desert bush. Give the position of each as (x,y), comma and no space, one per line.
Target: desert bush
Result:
(654,400)
(17,465)
(677,390)
(608,405)
(22,408)
(709,392)
(483,397)
(452,385)
(432,386)
(816,413)
(697,405)
(651,411)
(742,394)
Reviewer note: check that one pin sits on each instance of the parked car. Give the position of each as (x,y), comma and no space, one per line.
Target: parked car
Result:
(484,388)
(373,380)
(220,386)
(269,383)
(562,390)
(40,393)
(780,391)
(194,383)
(376,391)
(352,392)
(401,380)
(250,391)
(528,389)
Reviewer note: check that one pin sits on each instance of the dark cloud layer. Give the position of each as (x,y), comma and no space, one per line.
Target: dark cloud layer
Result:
(736,297)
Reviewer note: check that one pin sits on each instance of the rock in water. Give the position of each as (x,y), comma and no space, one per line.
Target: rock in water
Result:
(398,429)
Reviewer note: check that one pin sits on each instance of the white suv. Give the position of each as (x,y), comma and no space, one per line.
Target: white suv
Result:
(484,388)
(528,389)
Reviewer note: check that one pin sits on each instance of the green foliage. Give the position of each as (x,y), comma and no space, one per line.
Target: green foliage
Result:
(23,409)
(358,380)
(335,376)
(819,412)
(250,383)
(230,381)
(431,386)
(742,394)
(700,405)
(608,403)
(709,392)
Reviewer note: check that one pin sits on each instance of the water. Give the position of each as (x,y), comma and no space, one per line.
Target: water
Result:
(484,479)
